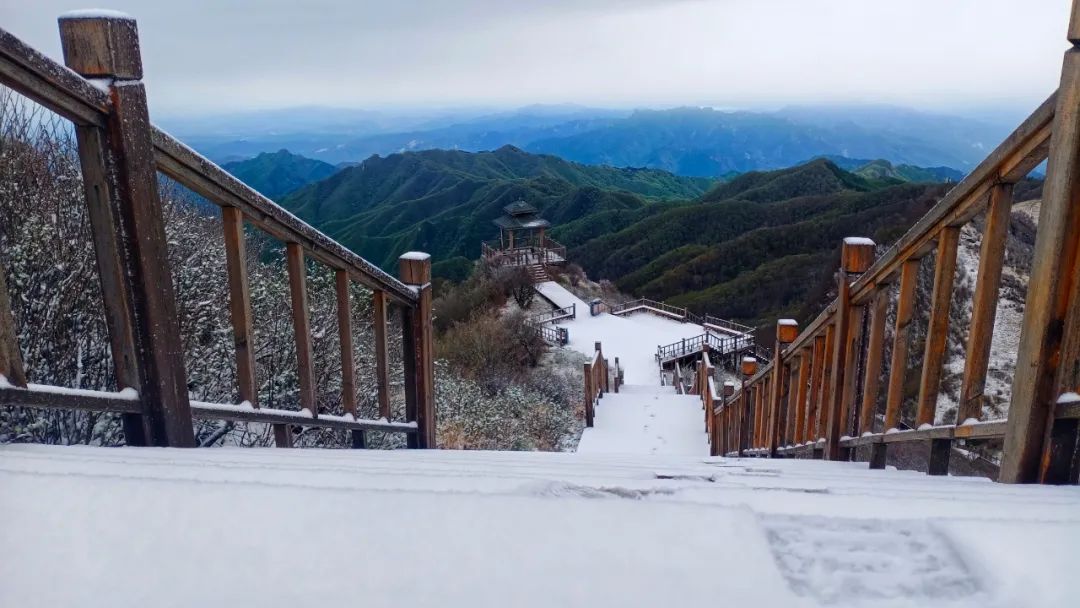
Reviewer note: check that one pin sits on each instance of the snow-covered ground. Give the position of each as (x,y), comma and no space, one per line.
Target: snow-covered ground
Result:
(264,527)
(647,420)
(632,338)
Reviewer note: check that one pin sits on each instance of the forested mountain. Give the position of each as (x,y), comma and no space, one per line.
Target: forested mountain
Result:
(444,201)
(757,247)
(279,173)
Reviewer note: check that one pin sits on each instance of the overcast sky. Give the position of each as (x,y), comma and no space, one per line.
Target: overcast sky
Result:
(223,55)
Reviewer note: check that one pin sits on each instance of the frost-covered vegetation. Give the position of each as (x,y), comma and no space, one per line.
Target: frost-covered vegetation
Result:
(496,388)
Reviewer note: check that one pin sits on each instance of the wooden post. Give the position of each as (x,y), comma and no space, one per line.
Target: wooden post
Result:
(938,330)
(905,308)
(345,339)
(120,161)
(748,367)
(856,255)
(11,363)
(415,270)
(1039,447)
(791,408)
(301,326)
(817,381)
(874,353)
(382,362)
(984,303)
(937,334)
(240,314)
(590,394)
(798,433)
(786,332)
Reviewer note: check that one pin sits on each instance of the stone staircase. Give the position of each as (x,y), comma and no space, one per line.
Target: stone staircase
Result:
(646,419)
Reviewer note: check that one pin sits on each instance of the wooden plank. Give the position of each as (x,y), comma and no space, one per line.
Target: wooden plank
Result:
(984,303)
(345,339)
(792,408)
(379,303)
(802,389)
(937,333)
(1044,360)
(415,271)
(11,363)
(289,418)
(849,396)
(106,233)
(163,382)
(298,298)
(66,399)
(905,309)
(817,375)
(833,410)
(875,348)
(240,304)
(822,411)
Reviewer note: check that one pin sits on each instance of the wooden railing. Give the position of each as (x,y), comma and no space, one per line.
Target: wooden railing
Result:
(693,345)
(546,252)
(101,92)
(596,383)
(678,313)
(566,312)
(819,396)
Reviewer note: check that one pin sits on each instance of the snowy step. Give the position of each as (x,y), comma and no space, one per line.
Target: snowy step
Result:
(587,531)
(646,419)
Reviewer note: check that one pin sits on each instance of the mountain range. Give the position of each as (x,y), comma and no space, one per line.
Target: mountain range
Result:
(756,247)
(694,141)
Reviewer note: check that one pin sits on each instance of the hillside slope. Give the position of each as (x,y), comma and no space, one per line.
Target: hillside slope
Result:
(443,201)
(761,246)
(279,173)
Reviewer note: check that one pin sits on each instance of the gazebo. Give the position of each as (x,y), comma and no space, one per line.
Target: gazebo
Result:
(522,240)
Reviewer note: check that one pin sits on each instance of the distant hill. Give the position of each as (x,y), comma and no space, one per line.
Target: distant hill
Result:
(444,201)
(687,141)
(761,246)
(883,169)
(279,173)
(708,142)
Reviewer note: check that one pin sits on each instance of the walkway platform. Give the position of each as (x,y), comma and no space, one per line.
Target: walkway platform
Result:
(283,528)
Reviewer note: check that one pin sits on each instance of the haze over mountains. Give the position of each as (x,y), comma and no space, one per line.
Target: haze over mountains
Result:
(699,142)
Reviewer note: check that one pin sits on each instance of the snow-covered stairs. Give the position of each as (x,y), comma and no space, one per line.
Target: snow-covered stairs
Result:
(644,419)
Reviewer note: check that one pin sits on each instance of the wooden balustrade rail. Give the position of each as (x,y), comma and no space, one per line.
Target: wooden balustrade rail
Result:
(821,395)
(100,90)
(596,383)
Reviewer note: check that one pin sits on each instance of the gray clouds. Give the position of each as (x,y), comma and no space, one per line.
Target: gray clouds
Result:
(204,55)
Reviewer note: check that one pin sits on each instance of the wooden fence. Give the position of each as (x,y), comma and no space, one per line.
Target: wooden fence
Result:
(597,382)
(819,396)
(120,151)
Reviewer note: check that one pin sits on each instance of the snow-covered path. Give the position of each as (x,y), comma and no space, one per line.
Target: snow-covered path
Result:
(647,420)
(632,338)
(265,527)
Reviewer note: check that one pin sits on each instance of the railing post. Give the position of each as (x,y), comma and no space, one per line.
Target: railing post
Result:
(748,367)
(240,315)
(301,320)
(936,343)
(798,432)
(817,375)
(875,348)
(857,254)
(345,339)
(786,332)
(730,420)
(1038,446)
(121,178)
(11,364)
(590,394)
(379,313)
(415,270)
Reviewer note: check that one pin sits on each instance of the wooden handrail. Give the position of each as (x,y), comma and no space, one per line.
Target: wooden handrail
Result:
(120,153)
